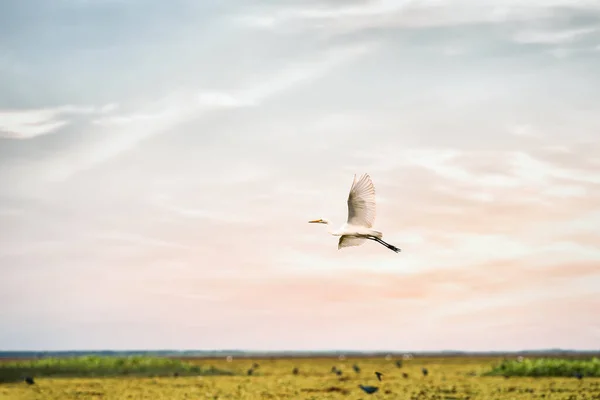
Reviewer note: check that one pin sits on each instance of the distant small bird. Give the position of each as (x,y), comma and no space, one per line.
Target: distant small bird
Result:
(29,380)
(295,371)
(425,372)
(250,371)
(338,372)
(379,375)
(368,389)
(356,368)
(399,363)
(578,375)
(405,375)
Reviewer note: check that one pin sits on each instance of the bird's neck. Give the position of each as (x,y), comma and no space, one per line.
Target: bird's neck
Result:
(332,231)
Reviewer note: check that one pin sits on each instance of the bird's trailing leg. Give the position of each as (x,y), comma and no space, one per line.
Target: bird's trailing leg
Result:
(389,246)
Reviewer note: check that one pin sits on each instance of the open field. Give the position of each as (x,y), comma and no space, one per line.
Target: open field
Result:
(94,366)
(448,379)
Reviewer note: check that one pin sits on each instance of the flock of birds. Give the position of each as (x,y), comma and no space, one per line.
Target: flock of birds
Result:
(365,388)
(368,389)
(361,217)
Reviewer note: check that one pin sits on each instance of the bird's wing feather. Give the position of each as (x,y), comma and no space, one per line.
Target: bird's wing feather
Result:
(348,241)
(361,202)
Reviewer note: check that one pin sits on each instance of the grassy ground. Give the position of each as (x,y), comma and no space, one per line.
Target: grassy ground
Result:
(94,366)
(548,367)
(448,379)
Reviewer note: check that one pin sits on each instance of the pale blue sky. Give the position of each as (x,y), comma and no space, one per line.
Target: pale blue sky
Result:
(159,162)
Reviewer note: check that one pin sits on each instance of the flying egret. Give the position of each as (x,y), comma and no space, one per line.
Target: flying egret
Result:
(361,216)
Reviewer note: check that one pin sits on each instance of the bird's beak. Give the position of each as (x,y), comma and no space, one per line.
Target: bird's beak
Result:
(314,221)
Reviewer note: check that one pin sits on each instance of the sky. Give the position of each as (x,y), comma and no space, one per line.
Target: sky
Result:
(159,162)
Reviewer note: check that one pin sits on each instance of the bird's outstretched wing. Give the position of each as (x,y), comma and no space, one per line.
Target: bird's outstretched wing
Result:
(348,241)
(361,202)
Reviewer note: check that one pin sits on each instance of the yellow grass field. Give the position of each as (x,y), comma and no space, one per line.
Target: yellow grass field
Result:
(448,379)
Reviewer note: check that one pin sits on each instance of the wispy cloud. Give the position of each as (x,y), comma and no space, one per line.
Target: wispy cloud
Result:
(349,17)
(167,113)
(141,240)
(27,124)
(553,37)
(525,130)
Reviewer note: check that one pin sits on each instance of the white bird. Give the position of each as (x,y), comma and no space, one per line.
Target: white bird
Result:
(361,216)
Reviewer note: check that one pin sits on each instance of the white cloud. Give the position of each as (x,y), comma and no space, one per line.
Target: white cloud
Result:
(135,239)
(523,170)
(177,106)
(552,37)
(209,214)
(306,71)
(557,149)
(528,166)
(221,99)
(388,13)
(525,130)
(562,52)
(108,108)
(453,50)
(27,124)
(162,115)
(282,16)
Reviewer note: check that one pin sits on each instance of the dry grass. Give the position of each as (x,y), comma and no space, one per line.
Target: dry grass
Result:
(448,379)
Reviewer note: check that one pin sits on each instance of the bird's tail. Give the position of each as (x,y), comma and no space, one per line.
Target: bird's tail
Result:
(376,234)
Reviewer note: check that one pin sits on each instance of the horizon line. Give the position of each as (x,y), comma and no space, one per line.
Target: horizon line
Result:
(340,351)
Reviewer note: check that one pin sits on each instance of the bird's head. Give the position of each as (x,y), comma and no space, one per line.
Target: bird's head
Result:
(318,221)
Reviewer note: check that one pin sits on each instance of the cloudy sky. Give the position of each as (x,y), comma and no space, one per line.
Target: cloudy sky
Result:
(159,162)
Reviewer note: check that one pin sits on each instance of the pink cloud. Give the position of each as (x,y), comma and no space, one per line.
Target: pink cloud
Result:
(452,284)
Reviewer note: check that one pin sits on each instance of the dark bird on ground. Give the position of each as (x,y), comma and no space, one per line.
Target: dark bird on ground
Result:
(425,372)
(379,375)
(368,389)
(405,375)
(399,363)
(29,380)
(295,371)
(250,371)
(356,368)
(578,375)
(338,372)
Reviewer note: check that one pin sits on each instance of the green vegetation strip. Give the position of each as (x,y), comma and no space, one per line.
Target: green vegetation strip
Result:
(95,366)
(546,367)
